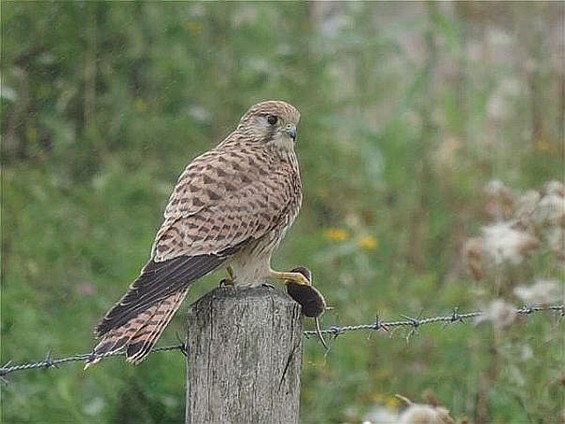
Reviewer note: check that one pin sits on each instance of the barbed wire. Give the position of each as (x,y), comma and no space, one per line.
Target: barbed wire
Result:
(413,323)
(49,362)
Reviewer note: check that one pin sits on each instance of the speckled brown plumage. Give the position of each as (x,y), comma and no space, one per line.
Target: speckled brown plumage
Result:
(231,207)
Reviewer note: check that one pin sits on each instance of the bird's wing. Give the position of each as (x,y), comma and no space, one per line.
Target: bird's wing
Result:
(157,281)
(222,201)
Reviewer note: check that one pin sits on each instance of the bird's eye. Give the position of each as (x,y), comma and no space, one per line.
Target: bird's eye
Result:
(272,119)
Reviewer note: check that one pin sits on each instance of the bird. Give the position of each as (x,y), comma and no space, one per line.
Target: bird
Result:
(230,208)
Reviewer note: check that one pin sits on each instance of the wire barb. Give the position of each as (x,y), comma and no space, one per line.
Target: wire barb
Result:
(379,325)
(183,347)
(455,317)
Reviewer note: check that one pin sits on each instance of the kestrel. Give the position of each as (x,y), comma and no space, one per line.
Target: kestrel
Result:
(230,208)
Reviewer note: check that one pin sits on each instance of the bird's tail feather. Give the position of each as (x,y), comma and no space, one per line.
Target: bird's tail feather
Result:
(144,340)
(140,333)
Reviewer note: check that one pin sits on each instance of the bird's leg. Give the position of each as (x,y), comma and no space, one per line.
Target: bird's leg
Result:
(295,277)
(228,281)
(229,269)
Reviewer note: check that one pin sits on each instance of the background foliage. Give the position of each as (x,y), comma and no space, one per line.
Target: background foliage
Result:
(408,111)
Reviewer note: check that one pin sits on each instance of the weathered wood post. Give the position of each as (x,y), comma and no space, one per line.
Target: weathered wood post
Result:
(244,357)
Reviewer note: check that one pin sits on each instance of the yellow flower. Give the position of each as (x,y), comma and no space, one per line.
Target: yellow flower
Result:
(31,134)
(368,243)
(543,145)
(193,27)
(141,105)
(336,234)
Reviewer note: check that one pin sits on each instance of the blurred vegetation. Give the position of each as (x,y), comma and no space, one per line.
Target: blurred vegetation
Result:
(408,110)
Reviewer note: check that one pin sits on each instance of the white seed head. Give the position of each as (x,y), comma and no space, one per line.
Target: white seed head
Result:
(499,312)
(504,244)
(541,292)
(425,414)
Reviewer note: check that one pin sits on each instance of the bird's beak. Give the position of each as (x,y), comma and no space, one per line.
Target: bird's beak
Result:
(291,131)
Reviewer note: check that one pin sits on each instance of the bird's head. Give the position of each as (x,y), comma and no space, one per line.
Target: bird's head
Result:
(273,123)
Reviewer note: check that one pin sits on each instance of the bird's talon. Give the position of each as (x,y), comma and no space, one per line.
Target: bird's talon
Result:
(227,282)
(305,281)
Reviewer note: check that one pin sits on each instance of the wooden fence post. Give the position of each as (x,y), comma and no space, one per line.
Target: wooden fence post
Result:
(244,357)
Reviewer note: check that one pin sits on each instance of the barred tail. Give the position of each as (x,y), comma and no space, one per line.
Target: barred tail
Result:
(141,332)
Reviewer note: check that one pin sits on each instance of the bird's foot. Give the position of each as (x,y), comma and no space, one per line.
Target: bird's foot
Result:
(291,277)
(227,282)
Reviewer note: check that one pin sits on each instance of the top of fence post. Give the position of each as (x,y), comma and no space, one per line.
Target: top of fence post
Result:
(244,357)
